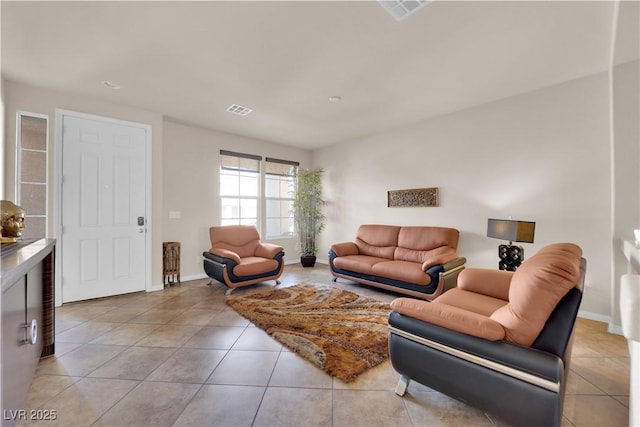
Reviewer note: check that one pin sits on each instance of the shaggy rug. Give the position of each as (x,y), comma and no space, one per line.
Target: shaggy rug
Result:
(340,332)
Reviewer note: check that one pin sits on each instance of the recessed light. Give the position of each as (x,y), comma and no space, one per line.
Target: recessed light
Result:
(111,85)
(400,9)
(335,98)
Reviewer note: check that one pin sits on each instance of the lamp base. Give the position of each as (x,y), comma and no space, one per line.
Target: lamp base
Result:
(511,256)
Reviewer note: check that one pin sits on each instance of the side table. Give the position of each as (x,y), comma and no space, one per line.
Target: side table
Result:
(170,263)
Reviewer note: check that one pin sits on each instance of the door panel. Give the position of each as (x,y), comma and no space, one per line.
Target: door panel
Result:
(103,194)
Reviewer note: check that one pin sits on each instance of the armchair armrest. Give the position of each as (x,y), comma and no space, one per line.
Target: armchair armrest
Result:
(344,249)
(493,283)
(532,361)
(450,317)
(268,250)
(225,253)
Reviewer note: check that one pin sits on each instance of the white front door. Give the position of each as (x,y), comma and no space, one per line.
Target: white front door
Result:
(103,207)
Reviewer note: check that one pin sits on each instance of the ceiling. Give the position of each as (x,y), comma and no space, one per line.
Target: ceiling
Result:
(190,60)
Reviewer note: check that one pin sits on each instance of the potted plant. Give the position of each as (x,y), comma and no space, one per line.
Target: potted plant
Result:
(307,213)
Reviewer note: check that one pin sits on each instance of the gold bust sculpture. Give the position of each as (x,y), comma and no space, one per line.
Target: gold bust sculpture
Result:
(11,221)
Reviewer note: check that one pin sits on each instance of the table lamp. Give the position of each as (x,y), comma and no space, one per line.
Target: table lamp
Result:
(511,256)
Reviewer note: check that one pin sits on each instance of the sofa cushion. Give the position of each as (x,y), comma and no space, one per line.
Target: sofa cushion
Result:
(426,238)
(377,240)
(357,263)
(402,270)
(536,288)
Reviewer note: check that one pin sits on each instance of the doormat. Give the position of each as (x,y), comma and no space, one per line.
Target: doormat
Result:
(339,331)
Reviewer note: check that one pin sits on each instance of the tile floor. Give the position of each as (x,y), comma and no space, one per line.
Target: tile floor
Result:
(181,357)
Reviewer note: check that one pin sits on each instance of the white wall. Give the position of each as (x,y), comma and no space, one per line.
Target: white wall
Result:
(626,170)
(625,143)
(19,97)
(541,156)
(191,187)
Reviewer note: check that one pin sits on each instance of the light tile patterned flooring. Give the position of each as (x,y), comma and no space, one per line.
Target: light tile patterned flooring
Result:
(181,357)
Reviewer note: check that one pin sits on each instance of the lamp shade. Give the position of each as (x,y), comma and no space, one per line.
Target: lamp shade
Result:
(511,230)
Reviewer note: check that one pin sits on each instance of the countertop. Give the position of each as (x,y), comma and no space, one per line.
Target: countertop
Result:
(15,263)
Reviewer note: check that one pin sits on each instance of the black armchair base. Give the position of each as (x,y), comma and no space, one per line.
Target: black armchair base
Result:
(518,396)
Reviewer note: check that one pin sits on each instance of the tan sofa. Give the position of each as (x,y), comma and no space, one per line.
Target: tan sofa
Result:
(417,261)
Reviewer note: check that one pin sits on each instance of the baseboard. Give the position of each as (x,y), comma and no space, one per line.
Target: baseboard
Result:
(193,277)
(615,329)
(182,279)
(297,261)
(594,316)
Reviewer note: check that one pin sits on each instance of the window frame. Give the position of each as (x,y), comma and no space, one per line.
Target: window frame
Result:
(292,178)
(262,174)
(239,197)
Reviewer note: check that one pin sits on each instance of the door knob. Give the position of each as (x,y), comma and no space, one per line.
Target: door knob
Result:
(31,332)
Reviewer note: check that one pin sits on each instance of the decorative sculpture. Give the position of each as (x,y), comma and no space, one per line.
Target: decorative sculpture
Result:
(11,221)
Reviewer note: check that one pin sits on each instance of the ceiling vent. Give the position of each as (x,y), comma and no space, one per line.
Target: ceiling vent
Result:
(239,109)
(400,9)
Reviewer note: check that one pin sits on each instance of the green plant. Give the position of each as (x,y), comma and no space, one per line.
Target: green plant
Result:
(307,209)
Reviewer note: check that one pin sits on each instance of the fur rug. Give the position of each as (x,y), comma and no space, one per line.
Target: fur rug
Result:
(340,332)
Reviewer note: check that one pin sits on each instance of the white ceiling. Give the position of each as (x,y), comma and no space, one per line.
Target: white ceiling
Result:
(191,60)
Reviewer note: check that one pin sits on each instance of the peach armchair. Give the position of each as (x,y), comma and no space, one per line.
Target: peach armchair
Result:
(499,341)
(238,258)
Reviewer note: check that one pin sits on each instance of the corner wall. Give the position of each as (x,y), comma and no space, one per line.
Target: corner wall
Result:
(540,156)
(191,186)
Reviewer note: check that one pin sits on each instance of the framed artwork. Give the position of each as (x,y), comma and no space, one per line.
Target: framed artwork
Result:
(416,197)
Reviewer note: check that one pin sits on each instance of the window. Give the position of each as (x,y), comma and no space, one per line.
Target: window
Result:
(239,188)
(32,173)
(279,183)
(244,201)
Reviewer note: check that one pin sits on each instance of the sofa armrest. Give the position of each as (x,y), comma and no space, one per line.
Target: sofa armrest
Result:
(493,283)
(225,253)
(453,264)
(344,249)
(450,317)
(442,257)
(268,250)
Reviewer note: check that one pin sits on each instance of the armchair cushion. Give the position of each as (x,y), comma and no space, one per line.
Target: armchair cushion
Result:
(536,288)
(476,303)
(241,239)
(450,317)
(268,250)
(225,253)
(493,283)
(251,266)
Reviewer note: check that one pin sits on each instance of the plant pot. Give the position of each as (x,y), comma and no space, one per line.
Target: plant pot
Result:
(308,260)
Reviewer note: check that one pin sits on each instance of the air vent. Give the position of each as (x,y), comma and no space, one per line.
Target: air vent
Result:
(239,109)
(400,9)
